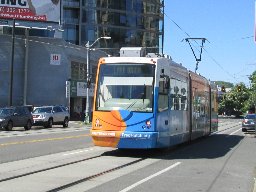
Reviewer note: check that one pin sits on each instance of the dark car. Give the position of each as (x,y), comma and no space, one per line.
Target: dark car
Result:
(18,116)
(249,122)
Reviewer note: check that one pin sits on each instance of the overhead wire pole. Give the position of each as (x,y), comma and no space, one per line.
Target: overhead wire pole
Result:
(163,29)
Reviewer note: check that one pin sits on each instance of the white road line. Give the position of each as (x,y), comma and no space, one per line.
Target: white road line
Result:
(234,132)
(77,152)
(150,177)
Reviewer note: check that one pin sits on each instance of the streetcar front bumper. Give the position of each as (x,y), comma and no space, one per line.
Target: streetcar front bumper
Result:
(125,140)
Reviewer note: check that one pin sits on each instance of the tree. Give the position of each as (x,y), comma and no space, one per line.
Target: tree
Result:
(251,102)
(233,102)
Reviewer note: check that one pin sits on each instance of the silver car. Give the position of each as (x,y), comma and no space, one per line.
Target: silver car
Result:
(249,122)
(48,116)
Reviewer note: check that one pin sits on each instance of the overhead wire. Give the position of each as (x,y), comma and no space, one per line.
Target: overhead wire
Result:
(211,57)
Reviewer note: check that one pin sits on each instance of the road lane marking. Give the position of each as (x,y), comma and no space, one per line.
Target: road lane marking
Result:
(235,131)
(43,140)
(150,177)
(77,152)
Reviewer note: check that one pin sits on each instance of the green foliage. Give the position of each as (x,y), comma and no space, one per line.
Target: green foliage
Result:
(225,84)
(233,102)
(240,99)
(251,102)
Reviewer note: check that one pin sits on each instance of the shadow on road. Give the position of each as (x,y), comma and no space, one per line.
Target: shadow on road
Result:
(208,147)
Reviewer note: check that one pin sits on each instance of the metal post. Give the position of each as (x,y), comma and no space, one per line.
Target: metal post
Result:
(11,65)
(87,108)
(26,68)
(87,119)
(68,82)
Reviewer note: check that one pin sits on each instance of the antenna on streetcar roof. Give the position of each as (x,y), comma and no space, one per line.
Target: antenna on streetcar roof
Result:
(201,49)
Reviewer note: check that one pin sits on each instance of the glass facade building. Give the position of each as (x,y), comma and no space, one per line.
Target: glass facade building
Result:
(129,23)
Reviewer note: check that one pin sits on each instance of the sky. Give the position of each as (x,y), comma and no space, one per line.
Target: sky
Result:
(229,54)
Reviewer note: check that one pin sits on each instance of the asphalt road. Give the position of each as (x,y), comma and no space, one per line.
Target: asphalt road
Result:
(20,144)
(222,162)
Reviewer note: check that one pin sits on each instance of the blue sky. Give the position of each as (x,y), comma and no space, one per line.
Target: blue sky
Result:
(228,25)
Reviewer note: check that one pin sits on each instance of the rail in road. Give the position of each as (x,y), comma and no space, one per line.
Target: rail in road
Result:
(96,168)
(26,172)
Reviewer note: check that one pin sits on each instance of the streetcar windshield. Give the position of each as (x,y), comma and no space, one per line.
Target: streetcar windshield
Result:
(125,87)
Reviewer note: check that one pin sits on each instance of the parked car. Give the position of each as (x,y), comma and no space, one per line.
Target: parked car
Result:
(15,117)
(249,122)
(50,115)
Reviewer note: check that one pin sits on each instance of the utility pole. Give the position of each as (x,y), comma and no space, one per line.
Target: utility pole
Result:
(11,65)
(88,78)
(26,67)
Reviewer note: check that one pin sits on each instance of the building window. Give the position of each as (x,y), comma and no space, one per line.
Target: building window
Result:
(78,71)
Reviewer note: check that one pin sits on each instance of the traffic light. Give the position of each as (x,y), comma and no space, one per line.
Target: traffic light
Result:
(239,89)
(223,89)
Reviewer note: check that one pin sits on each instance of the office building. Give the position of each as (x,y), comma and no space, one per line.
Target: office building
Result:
(129,23)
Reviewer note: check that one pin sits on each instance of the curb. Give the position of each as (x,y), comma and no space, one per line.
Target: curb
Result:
(254,190)
(80,123)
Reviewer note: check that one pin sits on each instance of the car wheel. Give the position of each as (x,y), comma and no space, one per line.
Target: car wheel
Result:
(50,123)
(9,126)
(28,126)
(244,130)
(65,123)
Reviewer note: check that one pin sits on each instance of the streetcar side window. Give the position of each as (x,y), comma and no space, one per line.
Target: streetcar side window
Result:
(163,95)
(178,95)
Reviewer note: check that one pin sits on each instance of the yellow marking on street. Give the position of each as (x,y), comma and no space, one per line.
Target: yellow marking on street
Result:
(43,140)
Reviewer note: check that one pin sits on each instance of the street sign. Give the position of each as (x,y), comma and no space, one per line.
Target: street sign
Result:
(67,89)
(55,59)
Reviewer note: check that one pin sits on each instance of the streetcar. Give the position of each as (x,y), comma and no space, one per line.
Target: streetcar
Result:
(147,101)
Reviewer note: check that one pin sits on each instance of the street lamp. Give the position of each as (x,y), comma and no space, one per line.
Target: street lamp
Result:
(88,47)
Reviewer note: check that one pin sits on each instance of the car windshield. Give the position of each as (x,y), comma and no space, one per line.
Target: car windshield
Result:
(43,110)
(6,112)
(250,116)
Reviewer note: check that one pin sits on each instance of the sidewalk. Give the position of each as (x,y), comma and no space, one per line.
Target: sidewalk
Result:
(79,124)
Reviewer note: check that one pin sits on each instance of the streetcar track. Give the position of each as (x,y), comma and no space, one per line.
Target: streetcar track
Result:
(71,184)
(47,169)
(66,186)
(79,181)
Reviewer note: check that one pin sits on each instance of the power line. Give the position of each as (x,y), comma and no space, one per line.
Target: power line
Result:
(212,58)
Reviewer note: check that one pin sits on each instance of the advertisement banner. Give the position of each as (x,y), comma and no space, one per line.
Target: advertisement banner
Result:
(31,10)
